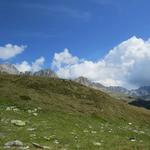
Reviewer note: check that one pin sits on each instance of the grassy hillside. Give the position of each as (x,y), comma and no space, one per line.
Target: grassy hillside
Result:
(66,115)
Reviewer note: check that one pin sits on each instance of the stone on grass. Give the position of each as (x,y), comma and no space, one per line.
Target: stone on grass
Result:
(18,123)
(47,138)
(97,144)
(16,143)
(40,146)
(37,145)
(30,129)
(35,114)
(12,108)
(24,148)
(85,131)
(56,142)
(93,132)
(29,111)
(132,139)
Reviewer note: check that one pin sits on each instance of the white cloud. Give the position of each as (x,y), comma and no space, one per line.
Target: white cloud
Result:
(125,65)
(64,58)
(33,67)
(8,51)
(37,65)
(24,66)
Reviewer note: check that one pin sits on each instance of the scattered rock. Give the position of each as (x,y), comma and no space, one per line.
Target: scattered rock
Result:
(16,143)
(49,137)
(12,108)
(141,132)
(24,148)
(46,147)
(35,114)
(93,132)
(37,145)
(30,129)
(132,139)
(40,146)
(97,143)
(85,131)
(56,142)
(73,133)
(18,123)
(29,111)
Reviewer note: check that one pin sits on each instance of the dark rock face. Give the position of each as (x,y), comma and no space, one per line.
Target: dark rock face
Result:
(141,103)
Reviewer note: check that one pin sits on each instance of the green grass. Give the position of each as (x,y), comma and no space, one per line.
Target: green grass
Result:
(74,115)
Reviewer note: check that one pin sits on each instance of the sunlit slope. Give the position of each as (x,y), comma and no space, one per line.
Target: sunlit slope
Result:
(66,96)
(58,114)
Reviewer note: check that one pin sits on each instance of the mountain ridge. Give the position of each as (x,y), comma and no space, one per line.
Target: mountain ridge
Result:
(142,92)
(11,69)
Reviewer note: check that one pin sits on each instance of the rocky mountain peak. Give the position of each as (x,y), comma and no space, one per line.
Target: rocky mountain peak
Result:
(46,73)
(83,80)
(8,68)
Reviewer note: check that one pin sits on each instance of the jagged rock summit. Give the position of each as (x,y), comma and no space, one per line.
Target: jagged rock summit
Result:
(46,73)
(85,81)
(8,68)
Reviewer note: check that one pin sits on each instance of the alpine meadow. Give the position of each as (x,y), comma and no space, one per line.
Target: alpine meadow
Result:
(74,75)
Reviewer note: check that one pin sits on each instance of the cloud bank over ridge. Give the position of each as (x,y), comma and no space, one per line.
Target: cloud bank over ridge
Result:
(126,65)
(33,67)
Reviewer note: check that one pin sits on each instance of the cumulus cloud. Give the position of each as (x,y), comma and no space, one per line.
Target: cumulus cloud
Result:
(24,66)
(64,58)
(33,67)
(127,65)
(8,51)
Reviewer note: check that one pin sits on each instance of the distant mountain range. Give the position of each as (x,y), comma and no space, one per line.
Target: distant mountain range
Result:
(141,92)
(11,69)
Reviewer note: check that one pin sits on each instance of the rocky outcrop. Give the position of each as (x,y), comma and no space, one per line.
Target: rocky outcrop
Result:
(9,69)
(45,73)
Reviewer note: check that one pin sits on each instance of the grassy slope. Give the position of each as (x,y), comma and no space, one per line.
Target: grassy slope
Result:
(67,109)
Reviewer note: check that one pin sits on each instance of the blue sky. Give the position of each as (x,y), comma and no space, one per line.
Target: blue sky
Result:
(88,28)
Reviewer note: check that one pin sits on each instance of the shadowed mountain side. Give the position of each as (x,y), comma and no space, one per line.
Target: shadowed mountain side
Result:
(141,103)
